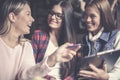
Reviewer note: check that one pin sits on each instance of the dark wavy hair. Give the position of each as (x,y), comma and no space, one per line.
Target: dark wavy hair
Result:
(66,33)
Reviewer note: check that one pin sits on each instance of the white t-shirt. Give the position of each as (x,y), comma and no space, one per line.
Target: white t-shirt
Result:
(15,61)
(56,70)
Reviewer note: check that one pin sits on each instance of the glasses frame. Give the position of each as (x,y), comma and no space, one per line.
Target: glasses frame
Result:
(58,16)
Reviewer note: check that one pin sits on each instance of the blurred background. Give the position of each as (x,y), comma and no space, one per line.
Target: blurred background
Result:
(39,10)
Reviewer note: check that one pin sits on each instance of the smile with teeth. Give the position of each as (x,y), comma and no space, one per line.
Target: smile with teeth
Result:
(29,24)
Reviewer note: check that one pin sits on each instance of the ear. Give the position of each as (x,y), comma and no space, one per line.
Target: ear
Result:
(12,17)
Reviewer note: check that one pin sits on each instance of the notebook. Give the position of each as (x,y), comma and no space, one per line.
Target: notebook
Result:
(109,57)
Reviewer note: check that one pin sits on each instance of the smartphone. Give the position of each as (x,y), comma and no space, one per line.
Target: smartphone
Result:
(73,46)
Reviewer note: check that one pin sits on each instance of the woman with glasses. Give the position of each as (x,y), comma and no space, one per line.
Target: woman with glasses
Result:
(58,30)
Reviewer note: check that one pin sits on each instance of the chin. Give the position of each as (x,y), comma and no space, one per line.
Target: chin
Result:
(90,29)
(27,32)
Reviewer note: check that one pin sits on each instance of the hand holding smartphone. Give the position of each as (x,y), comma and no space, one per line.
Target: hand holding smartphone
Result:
(73,46)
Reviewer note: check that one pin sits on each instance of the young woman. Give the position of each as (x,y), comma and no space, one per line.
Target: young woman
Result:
(102,35)
(16,58)
(59,29)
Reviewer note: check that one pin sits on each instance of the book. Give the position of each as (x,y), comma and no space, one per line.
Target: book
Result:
(110,57)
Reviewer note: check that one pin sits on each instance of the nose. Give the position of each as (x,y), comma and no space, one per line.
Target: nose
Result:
(53,16)
(88,19)
(32,19)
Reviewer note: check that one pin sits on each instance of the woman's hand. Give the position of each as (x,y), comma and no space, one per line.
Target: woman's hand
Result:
(63,54)
(99,74)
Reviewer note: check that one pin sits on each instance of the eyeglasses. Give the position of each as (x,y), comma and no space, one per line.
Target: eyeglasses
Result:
(57,15)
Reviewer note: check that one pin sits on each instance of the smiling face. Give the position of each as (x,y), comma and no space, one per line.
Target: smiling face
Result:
(23,20)
(54,20)
(92,19)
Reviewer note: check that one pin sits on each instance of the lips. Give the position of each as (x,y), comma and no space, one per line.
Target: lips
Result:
(89,25)
(29,24)
(52,22)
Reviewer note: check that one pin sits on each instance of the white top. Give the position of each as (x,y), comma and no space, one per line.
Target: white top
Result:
(115,73)
(19,64)
(15,61)
(55,71)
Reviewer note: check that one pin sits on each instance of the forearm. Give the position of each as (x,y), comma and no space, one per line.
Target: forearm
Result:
(40,69)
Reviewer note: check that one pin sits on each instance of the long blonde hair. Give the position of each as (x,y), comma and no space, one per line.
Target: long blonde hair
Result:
(9,6)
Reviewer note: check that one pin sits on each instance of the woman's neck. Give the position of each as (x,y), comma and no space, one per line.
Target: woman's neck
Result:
(10,39)
(54,37)
(96,36)
(97,31)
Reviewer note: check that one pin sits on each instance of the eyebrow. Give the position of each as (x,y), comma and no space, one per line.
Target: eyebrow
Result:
(57,12)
